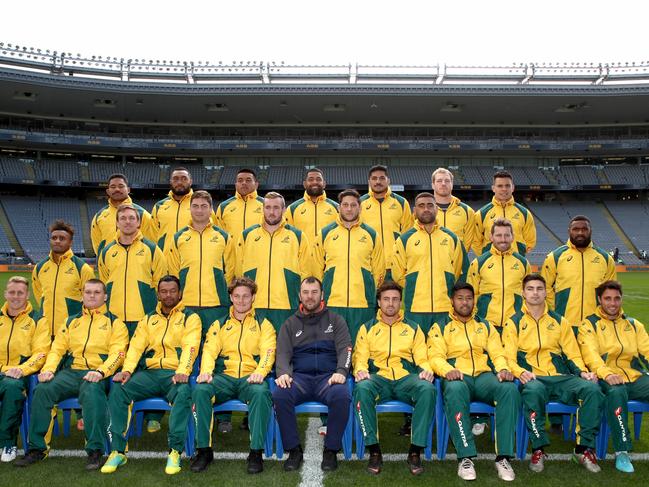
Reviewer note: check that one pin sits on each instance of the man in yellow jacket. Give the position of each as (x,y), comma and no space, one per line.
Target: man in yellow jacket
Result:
(497,276)
(131,267)
(573,272)
(386,212)
(314,210)
(103,227)
(238,354)
(236,214)
(543,354)
(615,347)
(163,350)
(87,350)
(390,363)
(427,261)
(451,212)
(466,351)
(202,256)
(503,205)
(276,256)
(348,258)
(24,343)
(58,280)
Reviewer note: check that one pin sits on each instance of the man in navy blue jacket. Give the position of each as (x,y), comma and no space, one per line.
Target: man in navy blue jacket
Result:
(314,351)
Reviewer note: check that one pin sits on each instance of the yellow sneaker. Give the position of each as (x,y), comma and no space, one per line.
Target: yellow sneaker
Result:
(173,463)
(115,460)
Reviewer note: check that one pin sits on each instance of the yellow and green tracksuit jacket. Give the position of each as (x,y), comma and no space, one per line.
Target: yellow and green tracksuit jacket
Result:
(168,342)
(391,351)
(277,262)
(428,265)
(619,346)
(104,225)
(91,340)
(59,287)
(546,347)
(473,347)
(520,217)
(205,264)
(497,279)
(310,217)
(350,263)
(239,348)
(24,340)
(459,219)
(571,277)
(236,214)
(389,217)
(131,275)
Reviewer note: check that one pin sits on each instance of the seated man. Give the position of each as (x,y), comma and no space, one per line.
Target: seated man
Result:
(242,349)
(87,350)
(615,347)
(163,349)
(467,352)
(390,363)
(313,357)
(543,354)
(24,343)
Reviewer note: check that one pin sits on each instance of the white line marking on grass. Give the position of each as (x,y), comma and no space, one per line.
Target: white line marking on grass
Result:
(312,475)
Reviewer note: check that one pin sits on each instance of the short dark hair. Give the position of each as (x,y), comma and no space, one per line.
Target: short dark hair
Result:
(425,194)
(461,286)
(118,175)
(247,171)
(243,282)
(169,278)
(96,281)
(201,195)
(503,174)
(388,286)
(579,218)
(378,167)
(311,280)
(180,168)
(62,225)
(615,285)
(349,192)
(502,222)
(313,169)
(123,208)
(534,276)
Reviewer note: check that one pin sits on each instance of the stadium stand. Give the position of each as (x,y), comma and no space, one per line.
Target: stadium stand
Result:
(628,214)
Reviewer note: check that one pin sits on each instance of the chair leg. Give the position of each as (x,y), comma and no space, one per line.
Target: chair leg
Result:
(279,447)
(637,425)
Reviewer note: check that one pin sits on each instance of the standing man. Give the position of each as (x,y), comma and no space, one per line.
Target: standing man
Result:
(314,211)
(236,214)
(24,343)
(467,352)
(241,349)
(348,257)
(390,363)
(102,228)
(87,350)
(386,212)
(163,349)
(615,347)
(58,280)
(543,354)
(503,205)
(276,256)
(497,276)
(314,353)
(458,217)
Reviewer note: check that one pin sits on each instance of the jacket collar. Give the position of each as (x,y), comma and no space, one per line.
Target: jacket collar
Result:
(249,314)
(527,312)
(319,199)
(387,194)
(572,246)
(177,309)
(379,317)
(321,308)
(339,221)
(600,312)
(138,237)
(127,201)
(248,197)
(97,311)
(182,200)
(454,317)
(494,251)
(28,309)
(421,227)
(65,256)
(509,202)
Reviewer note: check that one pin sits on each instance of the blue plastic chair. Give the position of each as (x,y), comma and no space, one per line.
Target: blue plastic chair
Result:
(157,404)
(636,408)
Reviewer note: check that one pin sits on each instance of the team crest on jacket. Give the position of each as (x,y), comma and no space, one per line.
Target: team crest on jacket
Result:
(394,206)
(328,212)
(444,242)
(215,238)
(596,260)
(515,267)
(330,328)
(286,239)
(368,207)
(363,239)
(140,252)
(70,270)
(490,265)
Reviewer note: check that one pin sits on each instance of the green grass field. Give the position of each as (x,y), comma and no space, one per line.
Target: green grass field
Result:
(62,471)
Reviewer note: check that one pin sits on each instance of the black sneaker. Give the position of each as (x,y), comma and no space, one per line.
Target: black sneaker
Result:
(375,463)
(414,463)
(295,459)
(32,457)
(406,427)
(255,462)
(329,460)
(244,424)
(95,460)
(203,457)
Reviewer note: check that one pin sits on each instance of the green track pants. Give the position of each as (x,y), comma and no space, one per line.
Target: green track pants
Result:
(12,396)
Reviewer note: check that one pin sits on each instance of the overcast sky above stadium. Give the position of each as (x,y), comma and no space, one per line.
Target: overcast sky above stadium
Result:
(399,32)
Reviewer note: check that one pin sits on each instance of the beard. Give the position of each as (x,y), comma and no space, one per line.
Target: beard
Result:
(181,191)
(581,245)
(314,191)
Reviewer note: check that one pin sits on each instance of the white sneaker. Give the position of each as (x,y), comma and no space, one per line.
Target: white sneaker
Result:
(505,470)
(322,431)
(9,454)
(466,470)
(478,428)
